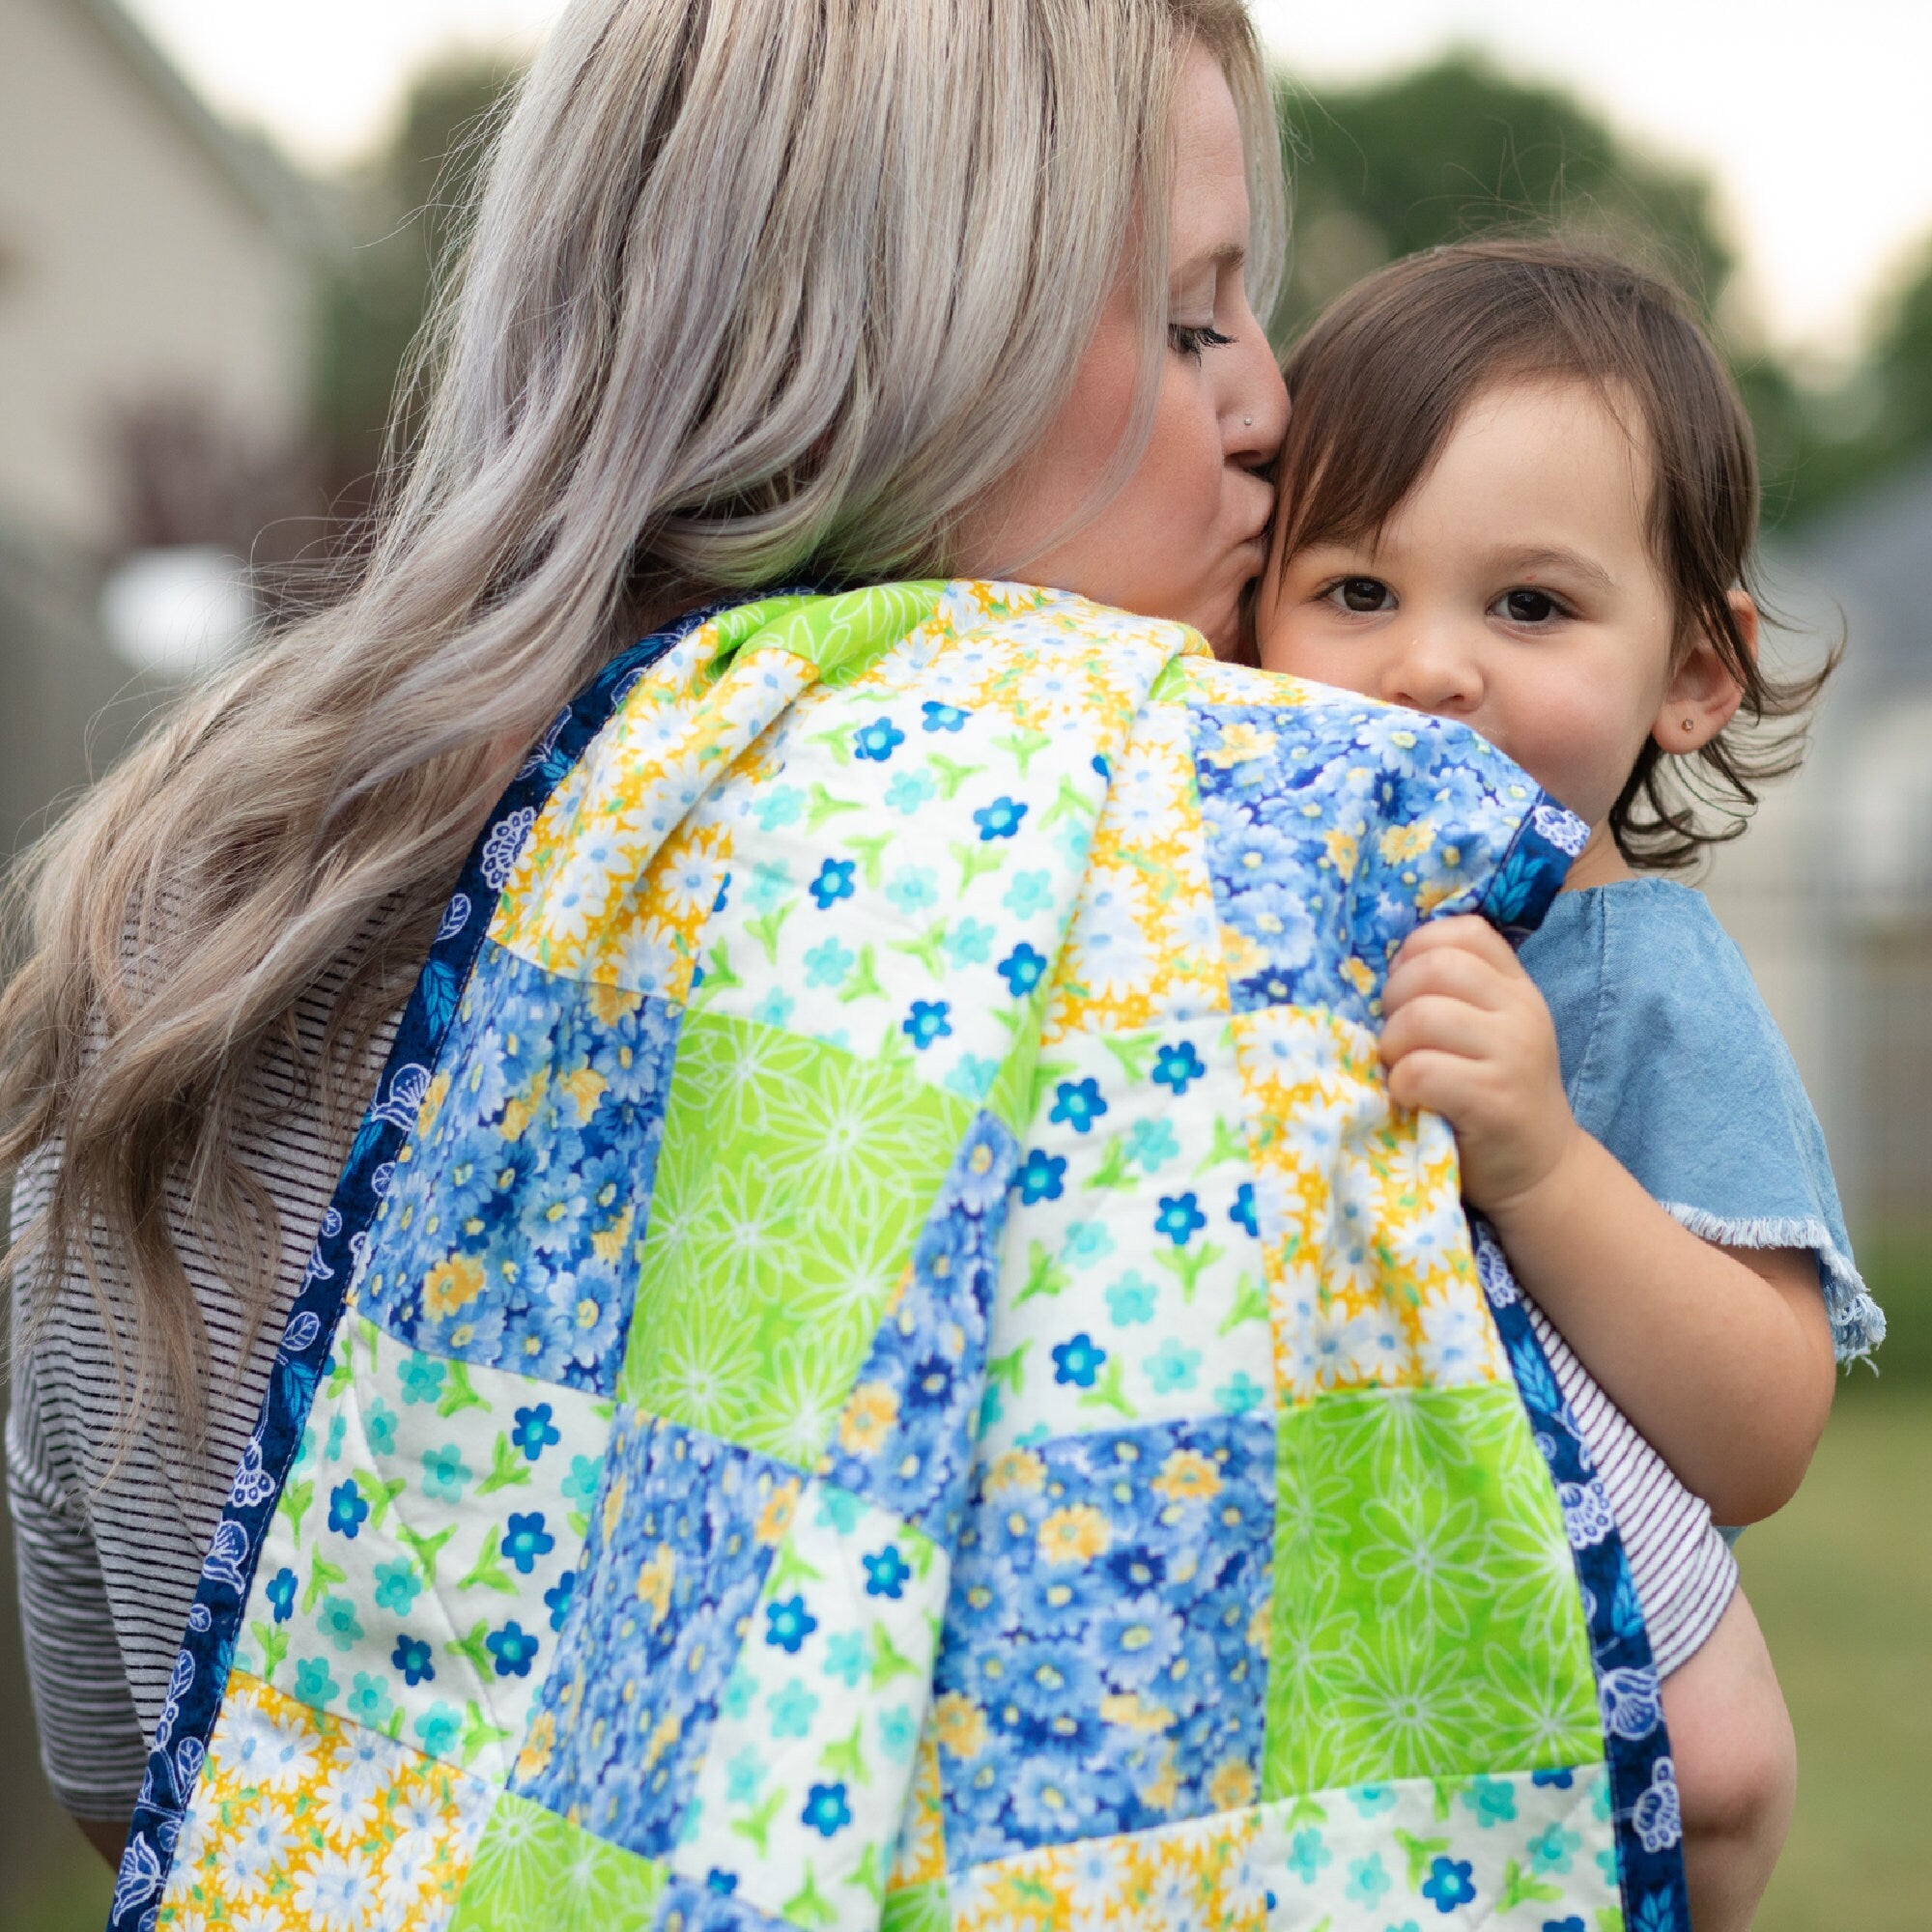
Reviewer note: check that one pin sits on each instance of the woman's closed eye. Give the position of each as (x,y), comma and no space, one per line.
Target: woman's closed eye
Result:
(1189,339)
(1530,607)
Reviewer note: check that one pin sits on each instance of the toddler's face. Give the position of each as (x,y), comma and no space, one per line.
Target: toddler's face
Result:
(1514,588)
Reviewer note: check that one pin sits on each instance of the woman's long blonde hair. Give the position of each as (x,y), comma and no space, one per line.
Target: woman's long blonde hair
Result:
(753,289)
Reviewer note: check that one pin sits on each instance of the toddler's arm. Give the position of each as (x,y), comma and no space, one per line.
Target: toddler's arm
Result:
(1722,1357)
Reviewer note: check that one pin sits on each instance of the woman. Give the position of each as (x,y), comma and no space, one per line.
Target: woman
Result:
(757,293)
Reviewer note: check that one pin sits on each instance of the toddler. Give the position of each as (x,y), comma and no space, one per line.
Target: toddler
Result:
(1519,490)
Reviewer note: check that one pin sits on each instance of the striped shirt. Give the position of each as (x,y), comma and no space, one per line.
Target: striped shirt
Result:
(111,1551)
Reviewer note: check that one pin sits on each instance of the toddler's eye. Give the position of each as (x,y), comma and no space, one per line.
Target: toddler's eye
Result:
(1528,606)
(1363,595)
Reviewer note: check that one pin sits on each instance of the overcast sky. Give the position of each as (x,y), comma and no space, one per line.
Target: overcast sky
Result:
(1813,116)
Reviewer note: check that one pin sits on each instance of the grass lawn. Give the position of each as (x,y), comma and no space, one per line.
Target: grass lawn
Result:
(1842,1583)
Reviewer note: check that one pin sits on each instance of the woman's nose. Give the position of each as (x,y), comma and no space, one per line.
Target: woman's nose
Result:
(1429,670)
(1258,421)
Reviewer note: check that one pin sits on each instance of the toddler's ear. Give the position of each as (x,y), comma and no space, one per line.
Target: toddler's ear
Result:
(1704,691)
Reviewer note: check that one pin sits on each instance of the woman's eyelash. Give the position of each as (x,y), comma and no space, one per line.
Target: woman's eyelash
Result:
(1187,340)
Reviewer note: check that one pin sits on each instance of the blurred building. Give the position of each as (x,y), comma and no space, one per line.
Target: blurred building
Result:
(155,268)
(1831,894)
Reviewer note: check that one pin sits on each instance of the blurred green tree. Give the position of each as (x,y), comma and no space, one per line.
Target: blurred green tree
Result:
(1458,148)
(403,211)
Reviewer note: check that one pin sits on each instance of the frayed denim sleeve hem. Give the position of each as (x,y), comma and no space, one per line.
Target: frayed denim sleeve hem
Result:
(1857,1322)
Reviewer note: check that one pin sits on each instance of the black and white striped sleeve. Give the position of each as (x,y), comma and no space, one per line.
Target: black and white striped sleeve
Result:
(91,1743)
(1684,1571)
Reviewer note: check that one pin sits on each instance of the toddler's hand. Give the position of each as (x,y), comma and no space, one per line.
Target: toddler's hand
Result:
(1466,1034)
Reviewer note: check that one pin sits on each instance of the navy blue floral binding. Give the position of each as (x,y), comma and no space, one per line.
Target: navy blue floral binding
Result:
(201,1670)
(1643,1782)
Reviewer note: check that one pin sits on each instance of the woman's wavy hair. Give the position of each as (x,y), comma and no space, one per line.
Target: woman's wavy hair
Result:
(753,290)
(1384,374)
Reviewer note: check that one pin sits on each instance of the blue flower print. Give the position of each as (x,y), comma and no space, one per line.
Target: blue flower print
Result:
(1307,1854)
(970,942)
(833,883)
(1130,1300)
(775,1009)
(1571,1924)
(422,1378)
(1152,1143)
(788,1623)
(899,1733)
(1086,1242)
(1078,1361)
(339,1624)
(723,1883)
(770,883)
(1552,1849)
(1179,1218)
(846,1657)
(937,717)
(1041,1177)
(369,1700)
(886,1573)
(781,805)
(877,741)
(1078,1103)
(281,1594)
(558,1598)
(1448,1884)
(826,1810)
(338,1434)
(397,1586)
(439,1728)
(347,1510)
(1553,1781)
(580,1487)
(1492,1801)
(1177,1067)
(534,1431)
(1368,1880)
(999,820)
(792,1708)
(1022,970)
(411,1657)
(444,1473)
(526,1540)
(1238,1394)
(828,964)
(745,1772)
(912,890)
(1171,1367)
(378,1425)
(313,1682)
(909,790)
(1371,1800)
(513,1647)
(926,1023)
(1028,892)
(1242,1212)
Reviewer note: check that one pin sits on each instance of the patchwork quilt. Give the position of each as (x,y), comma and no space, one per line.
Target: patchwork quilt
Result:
(882,1358)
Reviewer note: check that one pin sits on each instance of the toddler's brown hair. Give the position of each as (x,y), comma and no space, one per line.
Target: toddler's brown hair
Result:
(1380,380)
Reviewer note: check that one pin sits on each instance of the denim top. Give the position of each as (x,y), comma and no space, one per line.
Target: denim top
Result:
(1673,1063)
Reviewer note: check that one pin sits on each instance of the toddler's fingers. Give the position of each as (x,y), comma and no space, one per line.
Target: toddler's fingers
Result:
(1466,931)
(1455,971)
(1432,1080)
(1438,1024)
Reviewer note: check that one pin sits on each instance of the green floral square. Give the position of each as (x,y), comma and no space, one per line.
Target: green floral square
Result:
(793,1181)
(1427,1619)
(531,1867)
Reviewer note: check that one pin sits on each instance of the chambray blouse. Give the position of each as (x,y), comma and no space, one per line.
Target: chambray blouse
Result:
(1671,1061)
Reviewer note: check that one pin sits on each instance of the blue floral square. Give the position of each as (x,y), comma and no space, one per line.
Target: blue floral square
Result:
(681,1538)
(1333,829)
(510,1226)
(905,1434)
(1101,1671)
